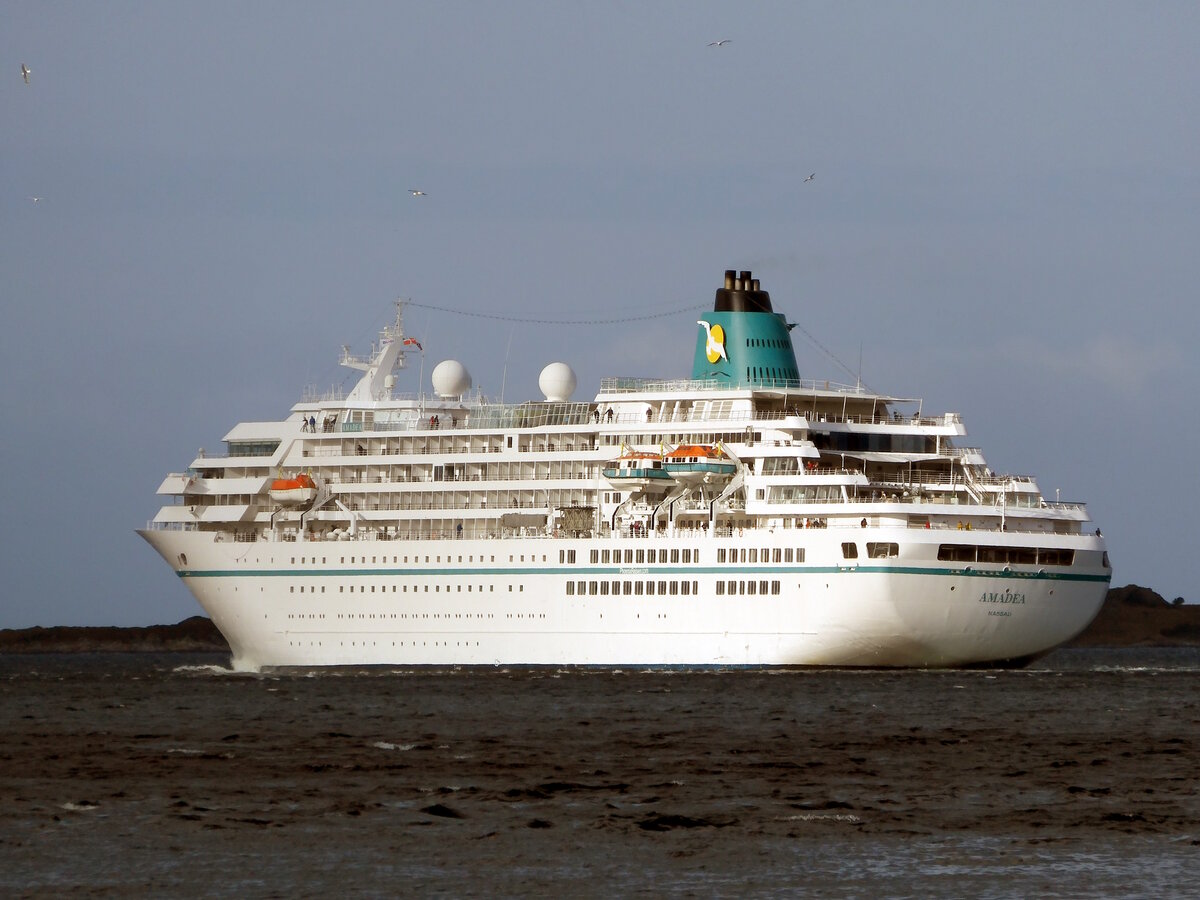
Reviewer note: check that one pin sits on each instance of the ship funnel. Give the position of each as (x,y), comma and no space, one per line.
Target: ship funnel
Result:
(743,341)
(742,293)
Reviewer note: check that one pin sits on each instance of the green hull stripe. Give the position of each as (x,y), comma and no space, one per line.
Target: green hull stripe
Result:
(610,572)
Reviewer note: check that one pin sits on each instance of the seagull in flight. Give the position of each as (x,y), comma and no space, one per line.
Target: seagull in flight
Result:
(26,72)
(416,193)
(720,43)
(35,199)
(810,177)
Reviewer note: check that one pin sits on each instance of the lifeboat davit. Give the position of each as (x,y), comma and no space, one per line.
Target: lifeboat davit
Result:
(293,491)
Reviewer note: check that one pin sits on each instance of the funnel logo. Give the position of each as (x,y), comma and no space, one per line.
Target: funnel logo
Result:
(714,344)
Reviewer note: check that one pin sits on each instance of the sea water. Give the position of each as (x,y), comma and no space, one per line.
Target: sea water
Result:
(171,775)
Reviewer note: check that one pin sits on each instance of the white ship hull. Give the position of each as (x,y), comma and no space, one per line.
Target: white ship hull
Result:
(742,517)
(360,603)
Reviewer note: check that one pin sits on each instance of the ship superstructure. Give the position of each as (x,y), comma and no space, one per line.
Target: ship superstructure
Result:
(742,516)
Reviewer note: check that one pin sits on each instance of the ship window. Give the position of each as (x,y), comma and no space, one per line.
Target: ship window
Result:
(750,587)
(604,588)
(774,587)
(570,588)
(787,554)
(753,555)
(628,556)
(687,555)
(641,556)
(662,556)
(882,550)
(956,553)
(638,588)
(849,550)
(628,589)
(1056,557)
(674,587)
(662,587)
(777,555)
(606,556)
(649,587)
(591,587)
(674,556)
(762,588)
(721,556)
(595,556)
(685,588)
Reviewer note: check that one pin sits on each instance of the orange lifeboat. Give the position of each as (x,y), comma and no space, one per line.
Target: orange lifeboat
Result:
(293,491)
(695,462)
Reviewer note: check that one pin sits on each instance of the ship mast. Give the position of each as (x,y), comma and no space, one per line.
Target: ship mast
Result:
(387,356)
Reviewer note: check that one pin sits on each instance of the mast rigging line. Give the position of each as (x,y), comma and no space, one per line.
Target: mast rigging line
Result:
(527,320)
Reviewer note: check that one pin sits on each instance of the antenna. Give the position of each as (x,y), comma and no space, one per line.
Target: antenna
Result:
(504,374)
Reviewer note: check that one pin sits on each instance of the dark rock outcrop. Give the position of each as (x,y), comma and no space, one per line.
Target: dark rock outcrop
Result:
(195,635)
(1134,616)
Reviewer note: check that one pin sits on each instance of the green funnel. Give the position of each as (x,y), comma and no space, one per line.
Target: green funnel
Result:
(742,342)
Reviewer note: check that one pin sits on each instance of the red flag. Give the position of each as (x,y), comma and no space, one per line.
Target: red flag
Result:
(414,341)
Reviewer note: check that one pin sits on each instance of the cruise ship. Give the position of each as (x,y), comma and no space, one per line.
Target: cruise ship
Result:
(742,516)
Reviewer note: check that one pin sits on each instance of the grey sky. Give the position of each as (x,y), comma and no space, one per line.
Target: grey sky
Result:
(1004,222)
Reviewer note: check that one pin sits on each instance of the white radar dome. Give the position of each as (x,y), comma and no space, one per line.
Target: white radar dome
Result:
(557,382)
(451,378)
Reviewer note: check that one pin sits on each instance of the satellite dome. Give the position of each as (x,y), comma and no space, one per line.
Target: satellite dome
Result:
(557,382)
(451,379)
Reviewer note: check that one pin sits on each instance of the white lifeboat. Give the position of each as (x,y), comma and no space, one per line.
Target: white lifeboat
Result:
(639,470)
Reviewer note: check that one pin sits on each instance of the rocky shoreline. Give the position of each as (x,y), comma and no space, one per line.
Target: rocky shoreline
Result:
(195,635)
(1132,616)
